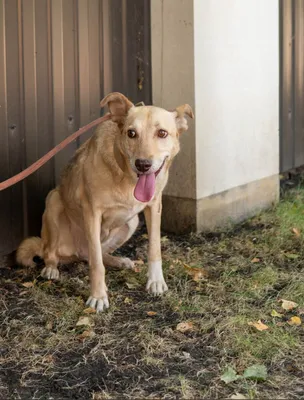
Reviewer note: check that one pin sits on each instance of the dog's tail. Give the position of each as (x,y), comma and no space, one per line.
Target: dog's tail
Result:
(28,250)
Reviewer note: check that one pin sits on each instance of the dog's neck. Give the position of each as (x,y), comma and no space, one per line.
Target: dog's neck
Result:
(119,158)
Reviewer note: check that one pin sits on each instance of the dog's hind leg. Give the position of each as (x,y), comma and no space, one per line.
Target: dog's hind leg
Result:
(50,235)
(116,239)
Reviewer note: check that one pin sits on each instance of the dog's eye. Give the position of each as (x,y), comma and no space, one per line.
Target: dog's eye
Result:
(131,133)
(162,134)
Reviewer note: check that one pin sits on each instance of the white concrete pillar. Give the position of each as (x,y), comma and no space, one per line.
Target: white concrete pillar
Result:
(221,57)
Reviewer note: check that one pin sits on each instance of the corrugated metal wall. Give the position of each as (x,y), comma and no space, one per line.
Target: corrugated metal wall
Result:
(58,58)
(292,84)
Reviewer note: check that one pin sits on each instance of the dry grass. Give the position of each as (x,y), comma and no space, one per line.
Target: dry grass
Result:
(130,354)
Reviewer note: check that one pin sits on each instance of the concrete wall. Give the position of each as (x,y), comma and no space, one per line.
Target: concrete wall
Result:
(222,57)
(173,80)
(236,92)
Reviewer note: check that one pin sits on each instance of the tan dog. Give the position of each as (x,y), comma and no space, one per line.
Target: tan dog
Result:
(120,171)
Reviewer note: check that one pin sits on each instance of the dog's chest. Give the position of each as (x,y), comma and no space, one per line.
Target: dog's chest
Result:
(119,216)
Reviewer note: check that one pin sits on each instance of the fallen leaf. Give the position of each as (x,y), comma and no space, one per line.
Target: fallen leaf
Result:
(274,313)
(89,310)
(85,321)
(229,375)
(295,321)
(86,334)
(151,313)
(296,232)
(257,372)
(184,327)
(127,300)
(145,236)
(197,274)
(255,260)
(259,325)
(288,305)
(280,324)
(171,266)
(28,284)
(164,239)
(238,396)
(300,311)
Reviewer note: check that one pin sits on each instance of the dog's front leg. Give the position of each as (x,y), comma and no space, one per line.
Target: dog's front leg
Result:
(156,283)
(98,298)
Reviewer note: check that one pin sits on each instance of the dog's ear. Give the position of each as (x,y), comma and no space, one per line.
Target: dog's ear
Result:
(118,105)
(180,112)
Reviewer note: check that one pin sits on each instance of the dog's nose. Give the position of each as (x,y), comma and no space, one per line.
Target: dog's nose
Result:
(143,165)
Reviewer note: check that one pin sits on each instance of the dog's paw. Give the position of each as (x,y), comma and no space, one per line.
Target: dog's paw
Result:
(50,273)
(156,287)
(98,304)
(126,263)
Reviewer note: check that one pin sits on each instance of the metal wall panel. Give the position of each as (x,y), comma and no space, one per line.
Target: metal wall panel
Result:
(5,197)
(292,84)
(58,58)
(299,82)
(14,130)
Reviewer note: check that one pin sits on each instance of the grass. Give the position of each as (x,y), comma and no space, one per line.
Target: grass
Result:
(129,352)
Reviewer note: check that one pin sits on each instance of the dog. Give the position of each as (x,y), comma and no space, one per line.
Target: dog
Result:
(119,172)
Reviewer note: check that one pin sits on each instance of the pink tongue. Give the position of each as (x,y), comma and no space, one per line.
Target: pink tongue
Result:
(145,188)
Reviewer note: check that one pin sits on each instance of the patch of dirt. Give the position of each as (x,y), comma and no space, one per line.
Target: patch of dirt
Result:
(135,349)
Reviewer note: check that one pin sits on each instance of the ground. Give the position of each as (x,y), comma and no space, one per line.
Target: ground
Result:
(219,282)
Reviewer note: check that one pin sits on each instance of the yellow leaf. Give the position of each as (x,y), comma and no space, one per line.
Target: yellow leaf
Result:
(151,313)
(184,327)
(197,274)
(259,325)
(296,321)
(274,313)
(86,334)
(85,321)
(255,260)
(296,232)
(89,310)
(28,284)
(288,305)
(164,239)
(127,300)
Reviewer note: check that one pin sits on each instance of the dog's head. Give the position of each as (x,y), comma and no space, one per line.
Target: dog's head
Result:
(149,139)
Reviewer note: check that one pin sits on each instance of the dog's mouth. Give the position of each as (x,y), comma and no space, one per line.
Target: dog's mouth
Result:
(145,186)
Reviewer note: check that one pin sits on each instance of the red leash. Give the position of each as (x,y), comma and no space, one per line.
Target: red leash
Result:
(32,168)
